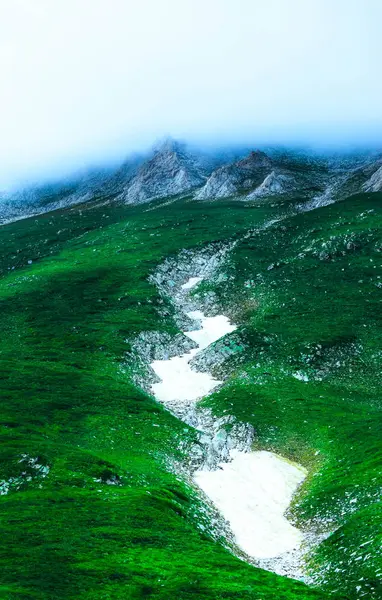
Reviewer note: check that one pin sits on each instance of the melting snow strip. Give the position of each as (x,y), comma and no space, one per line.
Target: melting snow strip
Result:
(254,489)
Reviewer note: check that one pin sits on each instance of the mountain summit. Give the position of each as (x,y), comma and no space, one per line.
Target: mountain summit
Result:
(170,171)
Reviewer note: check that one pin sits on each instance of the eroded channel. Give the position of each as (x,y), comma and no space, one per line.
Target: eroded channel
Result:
(251,489)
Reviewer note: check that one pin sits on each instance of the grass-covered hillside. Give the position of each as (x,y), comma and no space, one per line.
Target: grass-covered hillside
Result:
(91,507)
(307,373)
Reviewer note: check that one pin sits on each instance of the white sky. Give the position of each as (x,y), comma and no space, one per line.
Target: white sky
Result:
(85,80)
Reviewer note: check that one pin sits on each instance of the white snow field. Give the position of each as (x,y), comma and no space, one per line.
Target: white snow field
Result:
(253,492)
(179,381)
(191,283)
(254,489)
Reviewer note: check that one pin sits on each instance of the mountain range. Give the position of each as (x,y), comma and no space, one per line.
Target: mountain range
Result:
(173,170)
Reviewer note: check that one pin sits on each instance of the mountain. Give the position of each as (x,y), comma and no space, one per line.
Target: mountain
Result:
(261,175)
(173,169)
(100,475)
(233,179)
(170,171)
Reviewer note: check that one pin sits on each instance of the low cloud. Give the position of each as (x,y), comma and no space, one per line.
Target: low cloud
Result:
(87,81)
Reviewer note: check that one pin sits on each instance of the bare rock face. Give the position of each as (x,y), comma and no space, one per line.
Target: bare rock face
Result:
(221,184)
(169,172)
(374,184)
(273,184)
(232,179)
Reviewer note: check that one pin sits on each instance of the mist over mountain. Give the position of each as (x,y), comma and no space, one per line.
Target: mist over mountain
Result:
(86,83)
(174,170)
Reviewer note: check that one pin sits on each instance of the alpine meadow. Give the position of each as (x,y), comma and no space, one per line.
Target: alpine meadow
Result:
(190,300)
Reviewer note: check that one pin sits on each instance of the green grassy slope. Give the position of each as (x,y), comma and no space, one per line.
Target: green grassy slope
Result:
(306,373)
(73,288)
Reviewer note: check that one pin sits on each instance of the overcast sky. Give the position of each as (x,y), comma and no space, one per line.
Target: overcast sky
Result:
(87,80)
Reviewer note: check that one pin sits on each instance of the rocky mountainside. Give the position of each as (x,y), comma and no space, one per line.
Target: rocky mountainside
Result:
(40,199)
(355,179)
(262,176)
(374,184)
(274,183)
(232,179)
(173,169)
(169,172)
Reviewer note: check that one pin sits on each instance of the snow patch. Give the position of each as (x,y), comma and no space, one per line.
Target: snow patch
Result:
(253,492)
(178,380)
(213,328)
(191,283)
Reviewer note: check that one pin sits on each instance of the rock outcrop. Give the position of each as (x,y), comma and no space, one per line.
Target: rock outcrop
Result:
(374,184)
(358,180)
(274,184)
(347,182)
(237,177)
(170,171)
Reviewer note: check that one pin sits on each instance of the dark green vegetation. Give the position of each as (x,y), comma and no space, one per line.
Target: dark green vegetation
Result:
(69,401)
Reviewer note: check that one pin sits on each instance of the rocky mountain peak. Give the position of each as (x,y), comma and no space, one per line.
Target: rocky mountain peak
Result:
(230,180)
(174,169)
(168,146)
(254,160)
(170,171)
